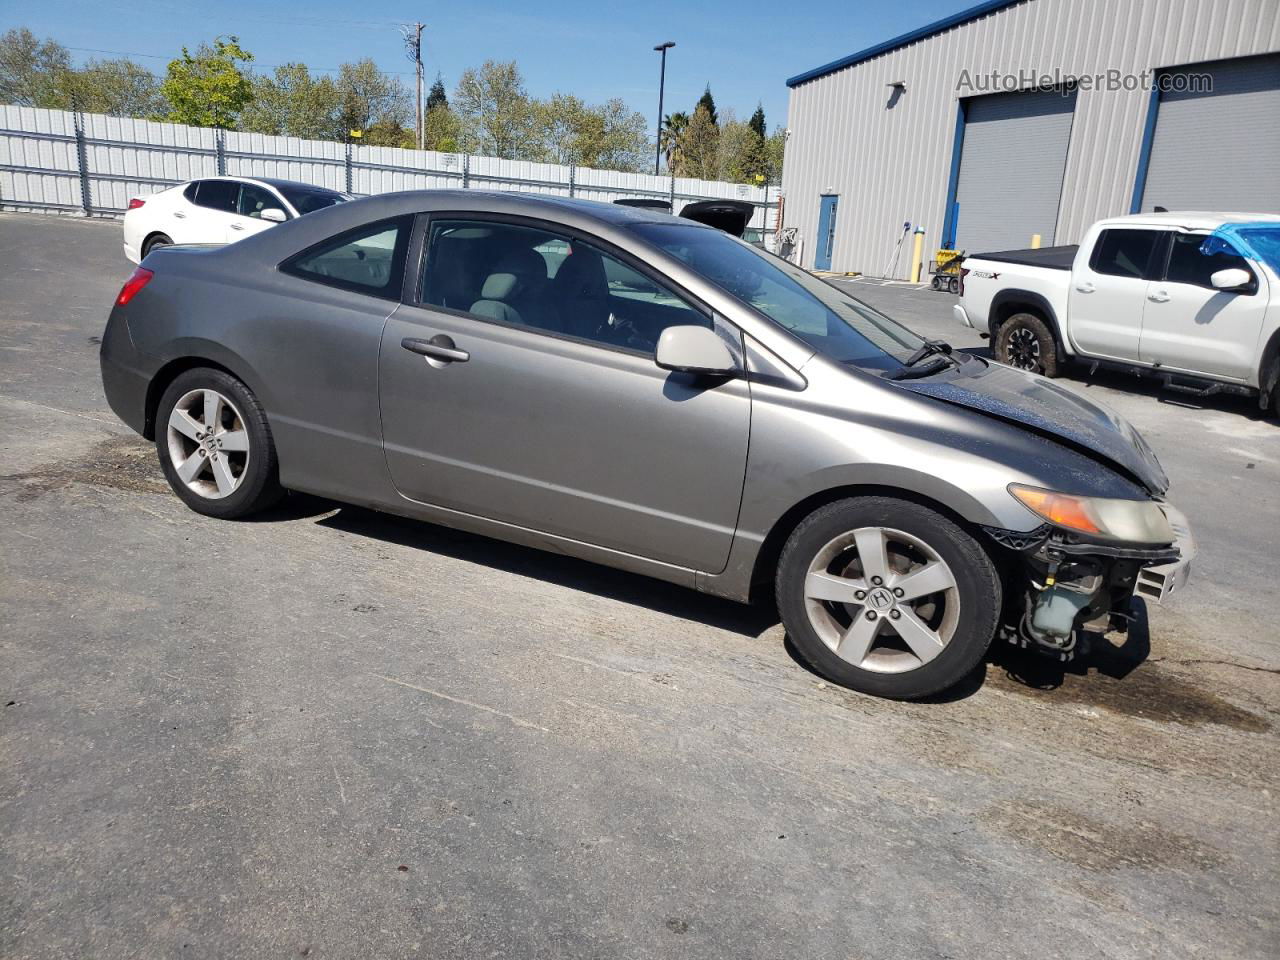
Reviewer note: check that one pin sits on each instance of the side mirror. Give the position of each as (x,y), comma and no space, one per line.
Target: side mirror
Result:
(694,350)
(1233,278)
(274,214)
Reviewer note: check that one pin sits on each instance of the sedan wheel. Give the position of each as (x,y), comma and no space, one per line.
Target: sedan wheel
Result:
(208,444)
(882,599)
(215,445)
(887,596)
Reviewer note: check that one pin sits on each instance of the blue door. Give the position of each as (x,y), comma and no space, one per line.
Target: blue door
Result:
(826,233)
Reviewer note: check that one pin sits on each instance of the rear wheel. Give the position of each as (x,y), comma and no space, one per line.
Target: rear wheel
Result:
(156,240)
(215,445)
(887,597)
(1026,342)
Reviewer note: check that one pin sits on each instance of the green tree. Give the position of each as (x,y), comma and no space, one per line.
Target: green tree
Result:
(700,147)
(371,98)
(436,96)
(495,113)
(120,88)
(208,89)
(32,70)
(756,122)
(293,103)
(674,126)
(624,143)
(708,103)
(774,147)
(442,132)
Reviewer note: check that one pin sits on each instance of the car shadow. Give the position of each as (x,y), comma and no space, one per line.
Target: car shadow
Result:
(630,588)
(1029,670)
(1237,404)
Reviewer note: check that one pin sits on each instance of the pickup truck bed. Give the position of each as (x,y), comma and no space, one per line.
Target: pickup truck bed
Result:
(1052,258)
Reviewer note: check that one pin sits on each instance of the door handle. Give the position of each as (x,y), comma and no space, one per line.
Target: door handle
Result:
(1085,287)
(439,347)
(237,226)
(179,214)
(1158,296)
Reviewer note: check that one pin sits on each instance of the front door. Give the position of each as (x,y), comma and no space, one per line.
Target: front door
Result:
(826,233)
(1109,293)
(247,219)
(549,413)
(1188,325)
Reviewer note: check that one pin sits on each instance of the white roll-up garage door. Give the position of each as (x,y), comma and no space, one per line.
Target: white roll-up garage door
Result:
(1218,149)
(1011,164)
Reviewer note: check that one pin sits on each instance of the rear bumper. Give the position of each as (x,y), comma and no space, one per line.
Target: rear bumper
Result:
(959,312)
(124,381)
(1158,583)
(131,253)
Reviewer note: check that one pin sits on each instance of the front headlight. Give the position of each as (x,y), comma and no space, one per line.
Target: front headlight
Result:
(1128,521)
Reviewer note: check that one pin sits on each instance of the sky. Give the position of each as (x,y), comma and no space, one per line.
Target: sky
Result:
(597,50)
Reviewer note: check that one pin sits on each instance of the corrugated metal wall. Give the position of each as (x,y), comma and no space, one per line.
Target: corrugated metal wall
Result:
(40,167)
(890,158)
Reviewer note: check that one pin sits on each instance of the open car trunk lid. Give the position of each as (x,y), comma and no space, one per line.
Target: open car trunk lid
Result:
(731,216)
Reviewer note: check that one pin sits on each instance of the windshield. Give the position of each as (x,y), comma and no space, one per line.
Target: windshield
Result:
(829,320)
(309,201)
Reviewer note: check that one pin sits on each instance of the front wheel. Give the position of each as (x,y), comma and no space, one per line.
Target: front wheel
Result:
(887,597)
(1026,342)
(215,445)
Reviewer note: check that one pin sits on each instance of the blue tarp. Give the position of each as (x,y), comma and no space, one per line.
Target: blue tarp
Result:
(1259,241)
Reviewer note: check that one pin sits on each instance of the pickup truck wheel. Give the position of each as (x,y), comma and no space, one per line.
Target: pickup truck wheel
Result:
(887,597)
(1025,341)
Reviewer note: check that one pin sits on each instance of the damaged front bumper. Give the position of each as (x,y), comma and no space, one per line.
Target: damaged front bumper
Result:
(1159,581)
(1065,583)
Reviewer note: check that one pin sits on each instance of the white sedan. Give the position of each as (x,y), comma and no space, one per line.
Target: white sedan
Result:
(217,210)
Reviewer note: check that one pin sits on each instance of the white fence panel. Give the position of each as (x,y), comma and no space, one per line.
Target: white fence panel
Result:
(321,162)
(47,162)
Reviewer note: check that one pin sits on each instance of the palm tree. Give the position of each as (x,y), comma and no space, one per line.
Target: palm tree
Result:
(674,126)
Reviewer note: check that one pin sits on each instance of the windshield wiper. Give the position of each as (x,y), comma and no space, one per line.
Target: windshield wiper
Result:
(940,350)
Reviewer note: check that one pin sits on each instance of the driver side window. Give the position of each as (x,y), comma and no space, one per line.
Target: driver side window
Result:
(554,283)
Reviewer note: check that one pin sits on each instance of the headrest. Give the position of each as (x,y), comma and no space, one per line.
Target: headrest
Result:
(516,272)
(499,286)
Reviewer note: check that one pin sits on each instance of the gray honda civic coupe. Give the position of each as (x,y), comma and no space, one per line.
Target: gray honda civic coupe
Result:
(654,394)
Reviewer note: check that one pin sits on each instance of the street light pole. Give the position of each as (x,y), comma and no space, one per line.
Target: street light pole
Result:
(662,82)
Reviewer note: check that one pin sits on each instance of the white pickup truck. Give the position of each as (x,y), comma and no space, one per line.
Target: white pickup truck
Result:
(1190,298)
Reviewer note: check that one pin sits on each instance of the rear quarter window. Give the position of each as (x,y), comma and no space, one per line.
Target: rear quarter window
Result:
(1124,253)
(367,259)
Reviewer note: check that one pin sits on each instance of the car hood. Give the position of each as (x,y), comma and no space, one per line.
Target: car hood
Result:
(1054,411)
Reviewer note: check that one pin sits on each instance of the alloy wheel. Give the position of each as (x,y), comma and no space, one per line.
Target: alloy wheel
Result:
(882,600)
(208,443)
(1024,349)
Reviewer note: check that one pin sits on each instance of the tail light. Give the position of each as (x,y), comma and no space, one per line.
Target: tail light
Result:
(964,272)
(137,280)
(136,202)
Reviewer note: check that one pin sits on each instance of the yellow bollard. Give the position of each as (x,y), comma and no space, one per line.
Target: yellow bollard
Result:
(1035,241)
(916,251)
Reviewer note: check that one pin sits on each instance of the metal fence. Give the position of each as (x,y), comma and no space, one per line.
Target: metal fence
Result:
(87,163)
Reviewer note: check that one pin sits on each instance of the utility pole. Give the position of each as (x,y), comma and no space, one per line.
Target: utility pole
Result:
(662,82)
(413,49)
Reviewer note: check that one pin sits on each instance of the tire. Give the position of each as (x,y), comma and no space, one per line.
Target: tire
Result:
(1025,342)
(821,571)
(953,285)
(935,282)
(230,474)
(157,240)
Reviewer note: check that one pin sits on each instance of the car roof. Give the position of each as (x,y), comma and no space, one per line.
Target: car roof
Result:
(268,182)
(1189,219)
